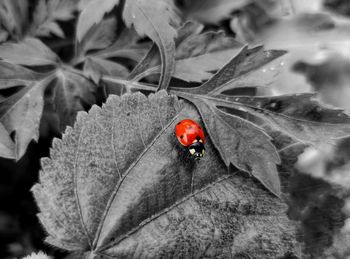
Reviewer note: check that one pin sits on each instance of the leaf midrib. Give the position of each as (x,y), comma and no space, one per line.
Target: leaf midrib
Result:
(115,192)
(164,211)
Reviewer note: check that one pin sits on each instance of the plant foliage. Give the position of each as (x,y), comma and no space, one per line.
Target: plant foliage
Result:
(117,183)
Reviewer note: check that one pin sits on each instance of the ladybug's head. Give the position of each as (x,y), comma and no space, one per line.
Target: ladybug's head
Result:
(196,149)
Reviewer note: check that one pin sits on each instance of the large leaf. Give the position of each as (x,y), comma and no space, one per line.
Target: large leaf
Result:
(119,185)
(48,13)
(155,19)
(29,52)
(197,54)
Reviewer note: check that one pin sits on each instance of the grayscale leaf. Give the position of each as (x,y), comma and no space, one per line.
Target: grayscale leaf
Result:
(29,52)
(92,13)
(71,90)
(21,113)
(48,13)
(95,68)
(152,198)
(197,54)
(210,12)
(297,116)
(155,19)
(98,37)
(242,143)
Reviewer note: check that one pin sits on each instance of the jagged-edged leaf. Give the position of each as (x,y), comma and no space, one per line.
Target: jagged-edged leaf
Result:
(48,13)
(14,17)
(102,62)
(92,13)
(119,185)
(21,113)
(241,143)
(12,75)
(71,92)
(212,12)
(95,68)
(29,52)
(126,46)
(155,19)
(297,116)
(197,54)
(245,62)
(99,36)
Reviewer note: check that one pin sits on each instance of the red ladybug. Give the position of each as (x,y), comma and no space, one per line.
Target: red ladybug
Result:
(190,135)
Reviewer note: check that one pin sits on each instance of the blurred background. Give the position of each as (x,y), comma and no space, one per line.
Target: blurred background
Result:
(316,34)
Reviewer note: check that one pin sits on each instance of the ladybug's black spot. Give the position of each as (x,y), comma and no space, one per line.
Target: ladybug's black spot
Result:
(181,136)
(178,123)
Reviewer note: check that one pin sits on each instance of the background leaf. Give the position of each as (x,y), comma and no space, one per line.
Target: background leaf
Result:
(72,92)
(21,114)
(99,36)
(48,13)
(242,143)
(197,55)
(92,13)
(312,123)
(155,19)
(206,11)
(151,194)
(29,52)
(14,17)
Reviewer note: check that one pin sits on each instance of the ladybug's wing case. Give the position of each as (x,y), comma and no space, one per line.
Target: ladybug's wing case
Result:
(180,132)
(187,132)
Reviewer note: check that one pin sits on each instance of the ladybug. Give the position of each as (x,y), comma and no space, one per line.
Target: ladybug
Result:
(191,136)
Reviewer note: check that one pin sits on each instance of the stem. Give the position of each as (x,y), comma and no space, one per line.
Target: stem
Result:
(127,83)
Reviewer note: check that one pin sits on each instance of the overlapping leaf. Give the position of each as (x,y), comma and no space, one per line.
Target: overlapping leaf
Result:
(48,13)
(29,52)
(71,92)
(92,12)
(298,116)
(100,36)
(197,54)
(14,17)
(21,112)
(155,19)
(99,48)
(207,11)
(152,198)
